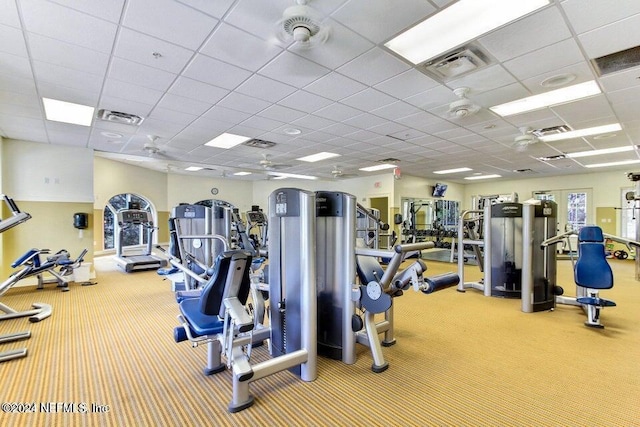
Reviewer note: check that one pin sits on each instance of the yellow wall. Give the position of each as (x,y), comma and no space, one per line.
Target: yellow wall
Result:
(50,227)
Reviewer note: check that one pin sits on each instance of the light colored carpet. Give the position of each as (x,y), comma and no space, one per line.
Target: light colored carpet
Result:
(460,360)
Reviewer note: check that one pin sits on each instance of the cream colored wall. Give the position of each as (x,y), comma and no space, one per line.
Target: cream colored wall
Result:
(420,188)
(43,172)
(191,188)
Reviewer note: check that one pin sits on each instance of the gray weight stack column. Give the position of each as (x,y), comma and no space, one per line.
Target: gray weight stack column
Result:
(292,277)
(539,264)
(335,264)
(506,250)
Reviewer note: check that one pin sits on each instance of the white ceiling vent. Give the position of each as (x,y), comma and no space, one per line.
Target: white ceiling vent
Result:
(456,64)
(551,130)
(119,117)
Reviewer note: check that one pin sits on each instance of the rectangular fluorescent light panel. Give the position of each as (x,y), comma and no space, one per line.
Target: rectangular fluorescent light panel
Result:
(68,112)
(242,173)
(581,132)
(601,151)
(193,168)
(459,23)
(227,140)
(319,156)
(621,163)
(473,178)
(283,175)
(548,99)
(378,167)
(445,171)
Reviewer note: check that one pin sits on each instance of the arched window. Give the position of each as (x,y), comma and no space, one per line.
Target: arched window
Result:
(132,236)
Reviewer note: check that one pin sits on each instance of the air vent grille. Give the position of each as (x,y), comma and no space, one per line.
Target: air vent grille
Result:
(617,61)
(551,130)
(551,158)
(389,160)
(456,64)
(259,143)
(119,117)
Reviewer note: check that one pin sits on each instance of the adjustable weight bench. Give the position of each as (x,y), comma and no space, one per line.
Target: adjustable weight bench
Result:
(593,273)
(218,314)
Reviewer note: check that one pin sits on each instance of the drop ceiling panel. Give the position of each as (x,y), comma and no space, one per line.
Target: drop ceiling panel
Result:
(621,80)
(29,134)
(313,122)
(214,8)
(255,52)
(12,41)
(305,101)
(406,84)
(45,49)
(66,77)
(7,108)
(214,72)
(394,110)
(365,121)
(396,19)
(49,90)
(431,98)
(12,65)
(335,86)
(194,89)
(124,90)
(293,70)
(337,112)
(555,56)
(140,48)
(265,88)
(184,105)
(9,14)
(501,95)
(282,114)
(226,115)
(61,23)
(341,46)
(170,21)
(588,109)
(373,67)
(141,75)
(109,10)
(485,79)
(544,28)
(581,70)
(370,99)
(612,38)
(586,15)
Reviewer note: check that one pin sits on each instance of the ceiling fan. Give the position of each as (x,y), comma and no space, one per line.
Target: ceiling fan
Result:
(268,164)
(302,25)
(525,139)
(338,173)
(152,149)
(463,107)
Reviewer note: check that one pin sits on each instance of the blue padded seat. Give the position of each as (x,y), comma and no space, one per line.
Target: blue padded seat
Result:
(592,269)
(205,314)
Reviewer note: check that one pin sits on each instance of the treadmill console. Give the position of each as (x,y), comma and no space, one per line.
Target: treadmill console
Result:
(131,216)
(256,218)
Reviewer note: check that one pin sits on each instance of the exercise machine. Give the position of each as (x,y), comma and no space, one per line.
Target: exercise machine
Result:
(257,228)
(338,261)
(224,323)
(40,310)
(635,197)
(368,227)
(127,220)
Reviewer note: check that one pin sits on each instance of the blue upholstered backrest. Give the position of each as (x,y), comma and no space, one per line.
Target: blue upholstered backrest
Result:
(592,269)
(215,289)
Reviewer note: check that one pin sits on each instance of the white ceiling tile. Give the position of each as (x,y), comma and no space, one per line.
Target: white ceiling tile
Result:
(205,128)
(501,95)
(432,97)
(170,21)
(335,86)
(160,128)
(370,99)
(627,111)
(194,89)
(586,15)
(66,77)
(373,67)
(225,115)
(293,70)
(365,121)
(282,114)
(591,108)
(255,52)
(214,8)
(141,75)
(109,10)
(50,90)
(140,48)
(172,116)
(340,129)
(20,99)
(313,122)
(406,84)
(620,80)
(67,55)
(17,66)
(124,90)
(28,133)
(244,103)
(9,14)
(557,55)
(485,79)
(341,46)
(388,128)
(261,123)
(12,41)
(184,105)
(318,136)
(305,101)
(7,107)
(383,18)
(581,70)
(420,120)
(543,28)
(338,112)
(258,17)
(265,88)
(363,135)
(395,110)
(214,72)
(612,38)
(61,23)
